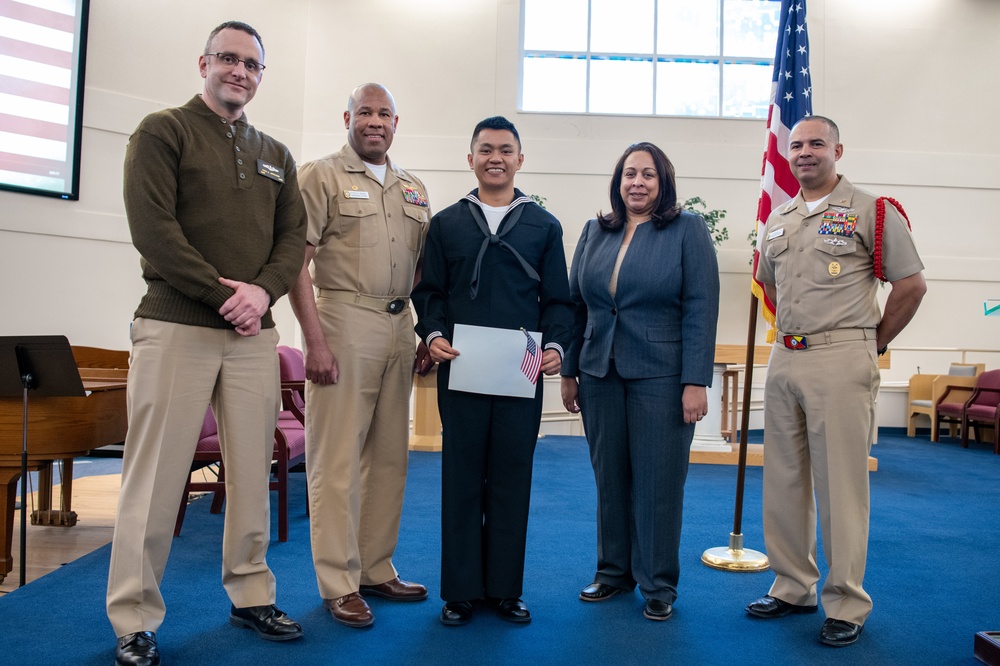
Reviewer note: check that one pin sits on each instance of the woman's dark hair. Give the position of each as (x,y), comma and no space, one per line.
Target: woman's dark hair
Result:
(666,207)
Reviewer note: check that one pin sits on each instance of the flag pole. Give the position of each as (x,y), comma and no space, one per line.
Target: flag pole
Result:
(735,557)
(791,100)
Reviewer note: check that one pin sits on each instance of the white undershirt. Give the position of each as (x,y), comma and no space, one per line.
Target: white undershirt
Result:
(813,205)
(494,216)
(378,170)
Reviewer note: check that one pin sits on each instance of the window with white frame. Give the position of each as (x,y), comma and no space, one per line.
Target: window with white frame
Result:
(706,58)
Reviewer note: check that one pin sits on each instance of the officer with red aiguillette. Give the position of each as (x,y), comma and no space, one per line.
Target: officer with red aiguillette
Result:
(821,261)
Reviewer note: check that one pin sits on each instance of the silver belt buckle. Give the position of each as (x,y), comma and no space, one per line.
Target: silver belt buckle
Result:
(395,306)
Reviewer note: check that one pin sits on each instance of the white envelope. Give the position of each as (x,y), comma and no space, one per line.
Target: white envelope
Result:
(495,361)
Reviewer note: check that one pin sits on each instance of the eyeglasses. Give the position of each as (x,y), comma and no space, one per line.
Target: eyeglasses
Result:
(230,60)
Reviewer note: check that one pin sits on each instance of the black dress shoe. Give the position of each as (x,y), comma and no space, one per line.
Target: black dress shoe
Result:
(138,649)
(269,622)
(770,607)
(839,633)
(657,610)
(512,610)
(456,612)
(598,592)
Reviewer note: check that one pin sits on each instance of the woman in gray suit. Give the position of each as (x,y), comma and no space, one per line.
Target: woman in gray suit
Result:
(645,283)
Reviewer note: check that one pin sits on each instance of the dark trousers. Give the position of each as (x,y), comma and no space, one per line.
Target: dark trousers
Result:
(488,449)
(639,447)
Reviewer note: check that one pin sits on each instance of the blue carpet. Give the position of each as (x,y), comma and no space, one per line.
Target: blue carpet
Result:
(932,573)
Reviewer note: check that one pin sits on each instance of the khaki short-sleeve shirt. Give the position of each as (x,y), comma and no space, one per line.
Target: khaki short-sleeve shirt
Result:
(821,263)
(368,236)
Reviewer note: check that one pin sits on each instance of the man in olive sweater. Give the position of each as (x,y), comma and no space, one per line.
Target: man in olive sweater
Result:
(214,210)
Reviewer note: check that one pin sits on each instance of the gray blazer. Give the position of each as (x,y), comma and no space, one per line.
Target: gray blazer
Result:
(662,322)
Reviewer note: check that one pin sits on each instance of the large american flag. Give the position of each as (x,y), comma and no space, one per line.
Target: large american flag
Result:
(532,361)
(791,100)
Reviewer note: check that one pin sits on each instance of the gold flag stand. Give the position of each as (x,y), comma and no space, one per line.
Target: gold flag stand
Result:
(735,557)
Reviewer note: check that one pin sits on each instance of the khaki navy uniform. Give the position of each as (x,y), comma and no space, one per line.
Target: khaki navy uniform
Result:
(819,402)
(368,238)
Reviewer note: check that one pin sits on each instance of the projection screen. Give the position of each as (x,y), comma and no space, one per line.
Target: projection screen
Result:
(43,51)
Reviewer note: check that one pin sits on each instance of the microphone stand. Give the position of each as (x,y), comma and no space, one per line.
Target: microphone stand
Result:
(28,382)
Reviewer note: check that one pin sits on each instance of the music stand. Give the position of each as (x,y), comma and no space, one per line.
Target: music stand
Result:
(45,365)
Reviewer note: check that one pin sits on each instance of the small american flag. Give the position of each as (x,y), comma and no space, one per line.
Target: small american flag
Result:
(532,361)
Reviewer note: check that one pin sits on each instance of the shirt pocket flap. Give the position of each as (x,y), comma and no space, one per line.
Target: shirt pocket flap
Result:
(416,213)
(357,208)
(776,247)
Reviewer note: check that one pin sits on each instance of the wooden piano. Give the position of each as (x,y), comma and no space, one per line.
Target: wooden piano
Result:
(60,429)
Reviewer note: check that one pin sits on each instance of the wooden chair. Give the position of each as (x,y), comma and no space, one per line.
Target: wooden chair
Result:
(926,391)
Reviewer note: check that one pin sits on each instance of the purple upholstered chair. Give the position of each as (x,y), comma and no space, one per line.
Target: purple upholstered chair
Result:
(289,444)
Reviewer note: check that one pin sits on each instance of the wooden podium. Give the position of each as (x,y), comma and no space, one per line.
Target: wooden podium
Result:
(426,419)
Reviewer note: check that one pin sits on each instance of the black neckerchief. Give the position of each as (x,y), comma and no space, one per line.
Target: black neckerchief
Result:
(513,215)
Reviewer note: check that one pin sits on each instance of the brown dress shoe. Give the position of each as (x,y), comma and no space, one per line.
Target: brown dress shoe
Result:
(397,590)
(350,609)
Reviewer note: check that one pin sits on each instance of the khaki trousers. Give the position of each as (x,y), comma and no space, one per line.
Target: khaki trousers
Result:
(175,371)
(357,446)
(819,408)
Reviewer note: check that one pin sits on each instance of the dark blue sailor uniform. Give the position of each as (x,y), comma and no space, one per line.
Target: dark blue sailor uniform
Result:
(513,279)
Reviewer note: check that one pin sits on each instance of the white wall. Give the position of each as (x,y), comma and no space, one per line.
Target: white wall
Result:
(911,84)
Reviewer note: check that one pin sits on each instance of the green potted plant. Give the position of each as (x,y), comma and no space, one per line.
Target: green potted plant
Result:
(712,218)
